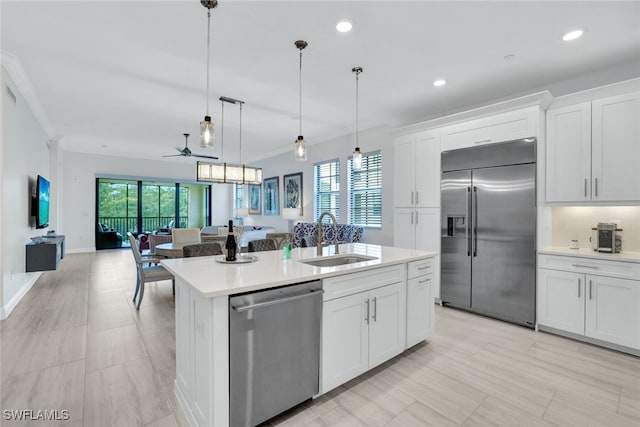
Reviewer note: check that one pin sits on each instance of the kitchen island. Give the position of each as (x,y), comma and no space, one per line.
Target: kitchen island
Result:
(371,311)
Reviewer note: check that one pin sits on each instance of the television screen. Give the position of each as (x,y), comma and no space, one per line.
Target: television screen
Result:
(42,210)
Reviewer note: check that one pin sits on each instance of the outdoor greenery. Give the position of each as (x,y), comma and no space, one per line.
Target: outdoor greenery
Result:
(120,199)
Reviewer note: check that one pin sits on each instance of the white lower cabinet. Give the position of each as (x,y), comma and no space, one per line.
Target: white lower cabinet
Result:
(360,331)
(613,310)
(421,288)
(590,305)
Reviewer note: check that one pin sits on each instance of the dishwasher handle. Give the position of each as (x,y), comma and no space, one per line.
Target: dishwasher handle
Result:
(276,301)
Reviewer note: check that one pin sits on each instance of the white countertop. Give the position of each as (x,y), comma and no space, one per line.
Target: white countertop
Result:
(590,253)
(212,279)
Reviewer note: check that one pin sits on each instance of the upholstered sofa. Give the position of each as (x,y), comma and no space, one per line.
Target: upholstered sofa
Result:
(107,237)
(306,233)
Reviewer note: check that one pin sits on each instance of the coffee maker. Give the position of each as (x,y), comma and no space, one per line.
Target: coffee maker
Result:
(607,238)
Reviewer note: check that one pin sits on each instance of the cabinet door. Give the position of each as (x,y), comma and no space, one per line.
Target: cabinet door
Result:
(387,324)
(201,351)
(404,171)
(561,300)
(613,310)
(345,339)
(427,170)
(569,153)
(427,229)
(616,148)
(183,363)
(404,228)
(419,309)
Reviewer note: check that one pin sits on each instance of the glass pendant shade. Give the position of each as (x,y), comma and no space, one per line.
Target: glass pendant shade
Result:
(301,150)
(206,132)
(357,159)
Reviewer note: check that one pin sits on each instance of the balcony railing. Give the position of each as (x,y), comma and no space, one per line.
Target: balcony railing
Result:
(123,224)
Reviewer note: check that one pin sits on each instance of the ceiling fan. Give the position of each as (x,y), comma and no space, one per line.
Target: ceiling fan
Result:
(186,152)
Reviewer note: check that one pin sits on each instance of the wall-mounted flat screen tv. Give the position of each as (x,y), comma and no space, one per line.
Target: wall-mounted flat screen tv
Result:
(42,202)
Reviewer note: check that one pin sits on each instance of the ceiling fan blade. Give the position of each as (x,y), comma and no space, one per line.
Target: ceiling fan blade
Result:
(175,155)
(204,157)
(180,150)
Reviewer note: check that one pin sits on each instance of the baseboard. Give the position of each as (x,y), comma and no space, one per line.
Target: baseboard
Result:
(7,309)
(184,405)
(594,341)
(79,250)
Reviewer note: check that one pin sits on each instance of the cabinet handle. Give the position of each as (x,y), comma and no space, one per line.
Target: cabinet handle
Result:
(425,267)
(411,217)
(416,218)
(480,142)
(412,197)
(375,308)
(423,281)
(367,315)
(590,289)
(585,266)
(579,286)
(596,186)
(585,188)
(416,197)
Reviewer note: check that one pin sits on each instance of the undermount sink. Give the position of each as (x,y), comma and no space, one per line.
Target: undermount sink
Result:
(338,260)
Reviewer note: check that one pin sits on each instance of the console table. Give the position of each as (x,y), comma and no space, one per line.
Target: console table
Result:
(46,255)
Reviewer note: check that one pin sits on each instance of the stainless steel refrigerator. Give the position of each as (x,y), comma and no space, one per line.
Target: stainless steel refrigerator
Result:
(488,241)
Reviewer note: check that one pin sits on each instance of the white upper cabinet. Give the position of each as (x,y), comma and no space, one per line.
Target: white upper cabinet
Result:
(417,170)
(616,148)
(501,127)
(593,151)
(569,153)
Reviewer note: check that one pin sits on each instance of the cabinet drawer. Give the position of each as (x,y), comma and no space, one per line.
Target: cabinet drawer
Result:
(336,287)
(487,130)
(623,270)
(419,268)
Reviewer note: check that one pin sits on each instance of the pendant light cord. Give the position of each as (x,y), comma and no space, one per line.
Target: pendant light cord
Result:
(241,132)
(222,133)
(208,53)
(357,136)
(300,93)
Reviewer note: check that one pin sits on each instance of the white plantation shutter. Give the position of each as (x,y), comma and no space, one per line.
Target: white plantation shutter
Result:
(327,189)
(365,191)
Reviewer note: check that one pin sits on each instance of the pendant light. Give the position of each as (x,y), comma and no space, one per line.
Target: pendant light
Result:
(357,155)
(206,125)
(300,150)
(226,173)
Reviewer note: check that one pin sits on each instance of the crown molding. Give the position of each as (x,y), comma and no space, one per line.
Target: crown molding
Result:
(21,79)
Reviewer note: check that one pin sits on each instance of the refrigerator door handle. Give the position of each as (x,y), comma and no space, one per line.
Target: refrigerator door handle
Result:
(475,221)
(468,227)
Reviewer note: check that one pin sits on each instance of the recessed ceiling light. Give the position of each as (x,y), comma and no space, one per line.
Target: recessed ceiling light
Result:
(344,26)
(572,35)
(440,82)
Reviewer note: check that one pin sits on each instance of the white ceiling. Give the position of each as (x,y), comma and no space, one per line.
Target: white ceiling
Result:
(128,78)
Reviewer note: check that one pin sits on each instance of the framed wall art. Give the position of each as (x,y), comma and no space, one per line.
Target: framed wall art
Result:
(271,196)
(292,187)
(255,201)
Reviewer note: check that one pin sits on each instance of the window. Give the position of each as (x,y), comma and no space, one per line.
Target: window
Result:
(326,177)
(365,191)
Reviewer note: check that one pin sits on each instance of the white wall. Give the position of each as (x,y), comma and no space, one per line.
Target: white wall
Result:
(340,148)
(79,198)
(25,154)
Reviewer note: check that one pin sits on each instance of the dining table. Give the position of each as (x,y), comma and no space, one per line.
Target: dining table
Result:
(173,250)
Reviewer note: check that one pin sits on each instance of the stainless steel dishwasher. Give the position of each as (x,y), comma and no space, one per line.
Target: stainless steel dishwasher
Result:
(274,351)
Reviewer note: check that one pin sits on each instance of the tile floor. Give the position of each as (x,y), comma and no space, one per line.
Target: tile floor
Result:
(76,342)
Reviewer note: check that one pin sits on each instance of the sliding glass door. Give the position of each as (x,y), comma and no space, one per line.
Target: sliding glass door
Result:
(147,207)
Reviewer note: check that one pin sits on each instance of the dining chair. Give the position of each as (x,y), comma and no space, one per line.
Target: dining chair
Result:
(280,238)
(179,235)
(202,249)
(262,245)
(152,273)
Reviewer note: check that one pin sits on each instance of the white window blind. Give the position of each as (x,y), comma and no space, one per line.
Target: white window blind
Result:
(327,189)
(365,191)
